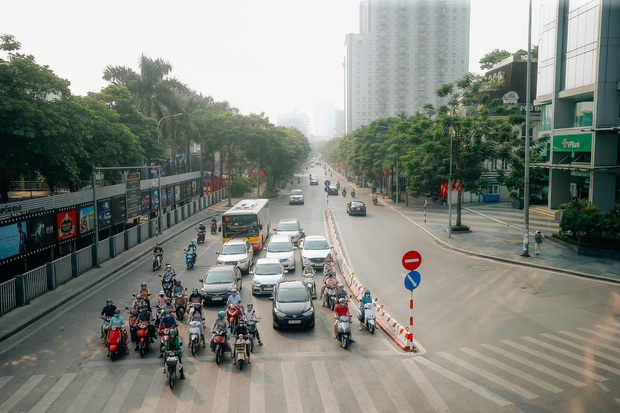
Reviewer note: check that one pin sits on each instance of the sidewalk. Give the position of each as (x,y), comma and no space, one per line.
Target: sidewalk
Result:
(23,316)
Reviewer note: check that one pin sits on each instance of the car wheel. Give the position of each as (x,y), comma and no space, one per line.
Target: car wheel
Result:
(311,325)
(275,324)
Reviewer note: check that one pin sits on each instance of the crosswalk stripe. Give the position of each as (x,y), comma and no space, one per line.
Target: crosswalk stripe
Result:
(21,393)
(488,375)
(84,396)
(122,390)
(222,390)
(354,375)
(611,330)
(572,355)
(257,387)
(534,365)
(427,388)
(292,394)
(153,393)
(50,397)
(582,348)
(590,340)
(598,333)
(391,387)
(526,376)
(468,384)
(4,380)
(326,388)
(555,360)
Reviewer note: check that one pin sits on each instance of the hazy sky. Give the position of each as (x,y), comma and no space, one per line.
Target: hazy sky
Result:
(268,56)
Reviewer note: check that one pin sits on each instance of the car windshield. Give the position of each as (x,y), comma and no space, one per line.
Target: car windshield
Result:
(292,295)
(233,249)
(296,192)
(357,204)
(219,277)
(268,269)
(318,244)
(289,226)
(280,247)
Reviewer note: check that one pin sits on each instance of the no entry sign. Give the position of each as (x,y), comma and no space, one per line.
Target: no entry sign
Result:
(412,260)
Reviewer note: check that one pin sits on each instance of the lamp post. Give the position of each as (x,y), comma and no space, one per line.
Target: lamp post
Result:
(526,183)
(159,123)
(450,192)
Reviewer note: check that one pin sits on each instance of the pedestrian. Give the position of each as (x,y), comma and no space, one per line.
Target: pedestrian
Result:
(538,239)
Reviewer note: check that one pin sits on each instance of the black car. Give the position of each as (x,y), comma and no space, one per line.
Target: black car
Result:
(292,305)
(332,190)
(356,208)
(218,283)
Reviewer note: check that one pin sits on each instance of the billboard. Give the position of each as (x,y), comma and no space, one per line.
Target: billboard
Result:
(119,212)
(41,232)
(170,193)
(164,197)
(177,193)
(155,199)
(104,213)
(13,239)
(133,204)
(66,224)
(146,202)
(87,219)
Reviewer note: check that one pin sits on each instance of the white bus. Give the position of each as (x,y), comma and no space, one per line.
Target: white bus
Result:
(250,219)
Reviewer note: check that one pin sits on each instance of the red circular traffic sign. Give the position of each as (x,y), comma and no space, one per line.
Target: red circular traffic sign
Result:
(411,260)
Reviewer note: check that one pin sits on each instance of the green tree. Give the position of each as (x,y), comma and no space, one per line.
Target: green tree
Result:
(492,58)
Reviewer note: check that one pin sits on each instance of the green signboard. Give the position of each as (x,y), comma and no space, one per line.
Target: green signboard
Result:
(572,143)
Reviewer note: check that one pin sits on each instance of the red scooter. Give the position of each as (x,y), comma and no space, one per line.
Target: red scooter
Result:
(233,313)
(133,315)
(117,341)
(220,341)
(143,337)
(200,236)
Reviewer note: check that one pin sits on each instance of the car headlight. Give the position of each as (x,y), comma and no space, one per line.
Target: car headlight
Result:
(256,282)
(243,261)
(279,313)
(309,312)
(290,259)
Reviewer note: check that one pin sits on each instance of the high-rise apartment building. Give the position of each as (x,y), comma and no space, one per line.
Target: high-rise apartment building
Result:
(405,50)
(578,92)
(297,120)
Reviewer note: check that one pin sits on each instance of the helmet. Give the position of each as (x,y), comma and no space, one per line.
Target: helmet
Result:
(143,286)
(177,282)
(221,314)
(108,302)
(161,292)
(168,300)
(173,333)
(250,305)
(367,292)
(195,291)
(117,311)
(341,285)
(234,290)
(157,245)
(201,224)
(168,265)
(241,322)
(329,254)
(168,314)
(342,301)
(191,242)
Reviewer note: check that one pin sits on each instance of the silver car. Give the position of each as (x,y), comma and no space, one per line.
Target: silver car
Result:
(296,197)
(281,248)
(236,251)
(290,227)
(315,249)
(267,273)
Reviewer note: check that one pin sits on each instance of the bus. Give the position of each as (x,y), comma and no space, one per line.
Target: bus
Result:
(249,219)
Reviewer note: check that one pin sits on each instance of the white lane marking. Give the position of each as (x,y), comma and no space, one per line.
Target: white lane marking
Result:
(602,386)
(50,397)
(121,391)
(554,360)
(292,394)
(222,391)
(468,384)
(154,392)
(391,387)
(589,340)
(534,365)
(488,375)
(326,388)
(512,370)
(4,380)
(582,348)
(354,375)
(257,387)
(80,404)
(611,330)
(598,333)
(427,388)
(572,355)
(23,391)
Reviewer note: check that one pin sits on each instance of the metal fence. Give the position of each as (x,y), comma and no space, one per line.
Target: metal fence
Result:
(132,237)
(104,250)
(144,231)
(8,300)
(62,269)
(35,283)
(84,259)
(118,243)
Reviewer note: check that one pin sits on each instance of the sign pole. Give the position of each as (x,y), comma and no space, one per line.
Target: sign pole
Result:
(411,321)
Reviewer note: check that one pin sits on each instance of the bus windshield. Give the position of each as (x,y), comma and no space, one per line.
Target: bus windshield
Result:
(239,226)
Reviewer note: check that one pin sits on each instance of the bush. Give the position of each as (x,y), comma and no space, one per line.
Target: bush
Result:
(240,186)
(270,194)
(585,225)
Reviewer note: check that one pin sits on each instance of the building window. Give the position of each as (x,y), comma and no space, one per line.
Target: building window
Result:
(583,113)
(546,118)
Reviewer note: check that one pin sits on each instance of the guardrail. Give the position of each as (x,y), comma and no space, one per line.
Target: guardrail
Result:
(25,287)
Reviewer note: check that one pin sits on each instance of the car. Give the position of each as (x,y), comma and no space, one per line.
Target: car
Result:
(290,227)
(314,181)
(296,197)
(315,249)
(281,248)
(356,208)
(236,251)
(218,283)
(267,273)
(332,190)
(292,305)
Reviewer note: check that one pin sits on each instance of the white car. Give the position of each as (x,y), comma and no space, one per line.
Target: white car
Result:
(267,273)
(315,249)
(296,197)
(290,227)
(281,248)
(236,251)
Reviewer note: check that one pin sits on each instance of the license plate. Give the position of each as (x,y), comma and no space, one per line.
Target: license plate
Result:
(294,321)
(216,299)
(268,289)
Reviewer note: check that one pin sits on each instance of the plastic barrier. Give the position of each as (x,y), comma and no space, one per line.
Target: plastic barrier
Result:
(396,331)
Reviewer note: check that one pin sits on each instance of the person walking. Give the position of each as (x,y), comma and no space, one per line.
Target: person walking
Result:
(538,239)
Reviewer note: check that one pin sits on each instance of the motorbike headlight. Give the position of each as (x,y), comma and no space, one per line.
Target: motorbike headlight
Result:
(309,312)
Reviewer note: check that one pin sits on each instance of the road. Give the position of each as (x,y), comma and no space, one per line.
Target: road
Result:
(497,337)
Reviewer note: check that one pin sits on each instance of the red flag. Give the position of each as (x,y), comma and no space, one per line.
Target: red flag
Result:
(458,187)
(444,189)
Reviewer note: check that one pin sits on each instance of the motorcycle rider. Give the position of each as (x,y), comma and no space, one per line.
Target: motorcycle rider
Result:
(219,324)
(366,298)
(235,298)
(168,321)
(195,314)
(175,344)
(341,293)
(109,309)
(338,184)
(178,289)
(192,247)
(159,251)
(146,294)
(146,316)
(344,192)
(119,321)
(353,192)
(138,302)
(341,309)
(213,225)
(329,281)
(161,299)
(375,199)
(169,273)
(251,315)
(240,333)
(202,229)
(195,296)
(168,306)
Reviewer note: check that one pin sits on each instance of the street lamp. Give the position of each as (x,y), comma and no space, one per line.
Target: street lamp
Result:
(526,178)
(450,192)
(159,123)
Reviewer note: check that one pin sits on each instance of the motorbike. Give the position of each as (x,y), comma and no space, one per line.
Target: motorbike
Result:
(338,186)
(172,362)
(157,261)
(194,336)
(298,180)
(164,335)
(328,268)
(352,193)
(133,315)
(220,345)
(344,330)
(189,259)
(368,319)
(139,303)
(239,353)
(309,282)
(166,285)
(117,341)
(104,328)
(144,339)
(344,193)
(233,313)
(159,314)
(252,330)
(330,294)
(213,227)
(179,304)
(200,236)
(375,200)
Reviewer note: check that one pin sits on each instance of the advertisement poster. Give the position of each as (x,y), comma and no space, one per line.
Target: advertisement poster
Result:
(104,212)
(164,197)
(13,239)
(146,202)
(170,192)
(87,219)
(177,193)
(133,204)
(119,213)
(155,199)
(67,224)
(41,232)
(183,191)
